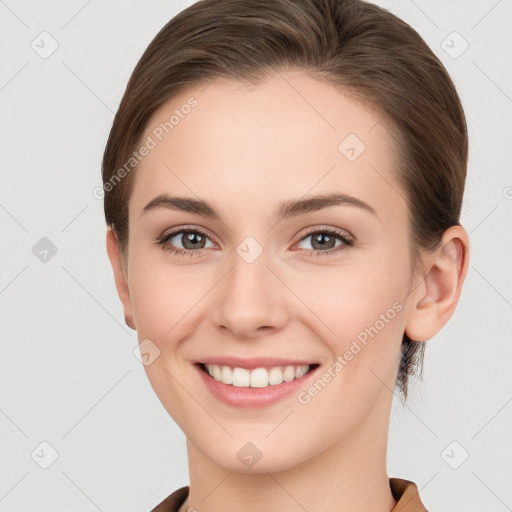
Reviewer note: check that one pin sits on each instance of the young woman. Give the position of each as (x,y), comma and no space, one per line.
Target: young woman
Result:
(283,184)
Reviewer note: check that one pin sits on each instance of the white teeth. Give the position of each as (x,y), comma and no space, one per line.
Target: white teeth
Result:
(257,378)
(275,376)
(226,375)
(289,374)
(299,372)
(241,377)
(217,372)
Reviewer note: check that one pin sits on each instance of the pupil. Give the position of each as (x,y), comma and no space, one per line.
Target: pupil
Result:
(322,239)
(192,236)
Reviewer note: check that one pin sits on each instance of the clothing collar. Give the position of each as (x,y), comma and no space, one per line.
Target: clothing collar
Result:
(405,493)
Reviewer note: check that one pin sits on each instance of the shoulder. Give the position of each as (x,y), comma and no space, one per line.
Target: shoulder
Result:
(173,502)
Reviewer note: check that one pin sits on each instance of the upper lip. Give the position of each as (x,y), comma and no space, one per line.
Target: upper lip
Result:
(253,362)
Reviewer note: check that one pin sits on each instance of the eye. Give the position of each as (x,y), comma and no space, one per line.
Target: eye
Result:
(192,239)
(325,240)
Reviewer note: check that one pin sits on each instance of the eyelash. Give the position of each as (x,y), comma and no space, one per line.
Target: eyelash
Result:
(347,241)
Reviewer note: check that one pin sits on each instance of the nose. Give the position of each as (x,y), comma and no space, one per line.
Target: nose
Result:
(251,301)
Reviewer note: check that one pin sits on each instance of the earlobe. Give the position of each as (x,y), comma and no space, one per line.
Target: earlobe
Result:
(120,277)
(435,299)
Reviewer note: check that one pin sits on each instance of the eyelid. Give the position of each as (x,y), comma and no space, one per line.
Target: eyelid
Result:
(166,235)
(342,233)
(187,227)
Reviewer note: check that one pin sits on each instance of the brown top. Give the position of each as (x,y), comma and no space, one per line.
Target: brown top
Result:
(404,491)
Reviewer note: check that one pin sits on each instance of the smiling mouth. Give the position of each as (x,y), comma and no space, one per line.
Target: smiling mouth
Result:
(257,377)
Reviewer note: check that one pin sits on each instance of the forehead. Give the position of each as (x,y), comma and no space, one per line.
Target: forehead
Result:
(284,137)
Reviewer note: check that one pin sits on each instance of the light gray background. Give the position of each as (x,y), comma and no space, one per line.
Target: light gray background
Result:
(68,374)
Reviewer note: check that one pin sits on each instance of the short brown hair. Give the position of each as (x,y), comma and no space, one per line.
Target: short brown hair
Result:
(360,47)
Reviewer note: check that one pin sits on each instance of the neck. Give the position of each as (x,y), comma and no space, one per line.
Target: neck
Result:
(348,475)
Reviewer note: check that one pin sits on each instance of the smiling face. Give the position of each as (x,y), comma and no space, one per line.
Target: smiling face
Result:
(315,284)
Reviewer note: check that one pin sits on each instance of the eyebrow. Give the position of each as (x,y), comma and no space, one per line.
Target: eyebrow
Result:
(287,209)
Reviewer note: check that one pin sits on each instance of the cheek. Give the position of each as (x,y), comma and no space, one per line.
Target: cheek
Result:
(161,300)
(165,302)
(365,321)
(362,320)
(168,301)
(348,300)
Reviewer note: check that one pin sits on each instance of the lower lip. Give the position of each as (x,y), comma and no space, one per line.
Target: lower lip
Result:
(252,397)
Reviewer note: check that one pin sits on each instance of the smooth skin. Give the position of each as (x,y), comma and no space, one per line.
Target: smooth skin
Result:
(245,149)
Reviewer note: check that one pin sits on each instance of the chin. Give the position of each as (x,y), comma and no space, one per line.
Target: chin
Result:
(241,455)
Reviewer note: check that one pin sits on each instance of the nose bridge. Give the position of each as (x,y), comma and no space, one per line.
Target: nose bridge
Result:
(250,295)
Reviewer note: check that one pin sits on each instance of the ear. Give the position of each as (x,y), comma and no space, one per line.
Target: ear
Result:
(120,276)
(435,298)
